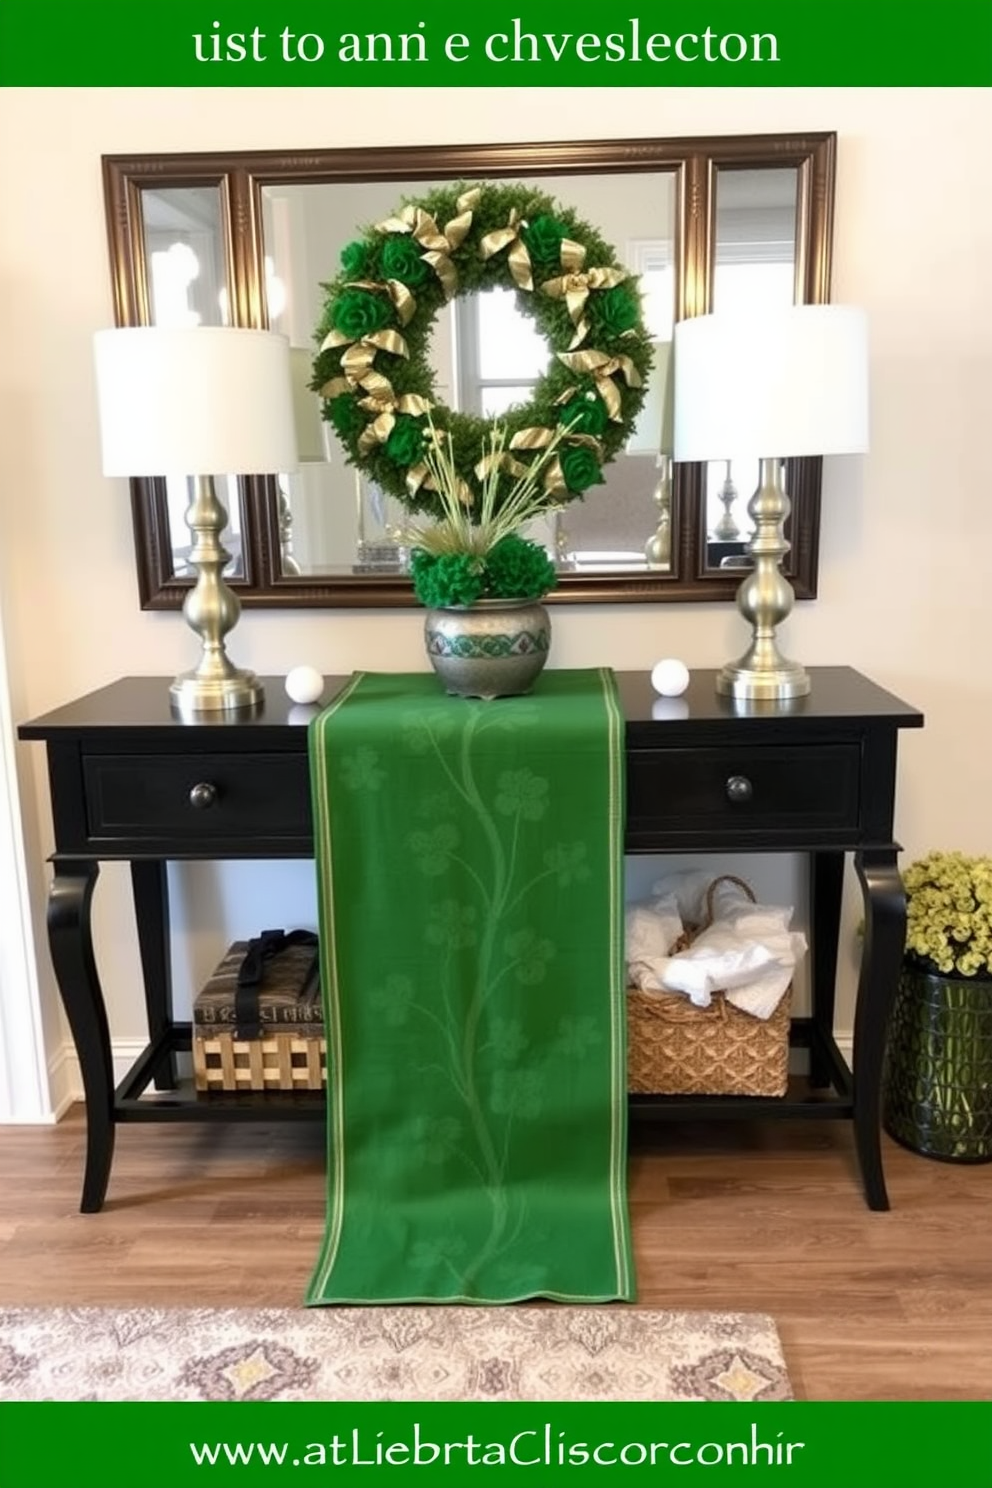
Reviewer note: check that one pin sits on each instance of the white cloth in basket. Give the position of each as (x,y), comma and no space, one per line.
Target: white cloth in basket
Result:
(650,930)
(749,952)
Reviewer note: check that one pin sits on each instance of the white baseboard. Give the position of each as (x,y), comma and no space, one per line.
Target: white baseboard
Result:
(66,1077)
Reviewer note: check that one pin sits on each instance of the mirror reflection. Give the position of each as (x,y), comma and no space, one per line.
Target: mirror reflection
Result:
(754,266)
(187,286)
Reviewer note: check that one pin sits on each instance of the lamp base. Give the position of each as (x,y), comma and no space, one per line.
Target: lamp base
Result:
(237,692)
(211,609)
(764,599)
(747,683)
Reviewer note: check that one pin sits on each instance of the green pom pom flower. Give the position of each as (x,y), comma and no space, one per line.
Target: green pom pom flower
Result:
(441,580)
(517,568)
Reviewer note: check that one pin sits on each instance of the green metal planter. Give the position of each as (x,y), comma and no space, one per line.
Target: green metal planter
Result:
(937,1080)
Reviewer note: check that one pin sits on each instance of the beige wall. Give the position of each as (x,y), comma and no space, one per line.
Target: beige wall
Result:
(907,532)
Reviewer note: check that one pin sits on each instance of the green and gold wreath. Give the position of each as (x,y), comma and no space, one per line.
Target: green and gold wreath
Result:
(373,370)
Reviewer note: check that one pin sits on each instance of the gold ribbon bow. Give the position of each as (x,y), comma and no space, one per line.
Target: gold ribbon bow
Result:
(603,369)
(502,461)
(575,283)
(518,257)
(361,353)
(420,474)
(383,403)
(537,437)
(438,243)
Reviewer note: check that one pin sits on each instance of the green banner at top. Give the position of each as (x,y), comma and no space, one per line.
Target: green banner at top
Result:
(505,43)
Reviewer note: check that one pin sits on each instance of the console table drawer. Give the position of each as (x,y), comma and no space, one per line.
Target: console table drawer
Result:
(191,797)
(762,788)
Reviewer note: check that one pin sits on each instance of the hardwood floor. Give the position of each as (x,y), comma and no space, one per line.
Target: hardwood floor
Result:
(758,1217)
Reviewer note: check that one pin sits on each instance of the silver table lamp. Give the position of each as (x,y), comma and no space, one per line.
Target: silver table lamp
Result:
(198,402)
(788,383)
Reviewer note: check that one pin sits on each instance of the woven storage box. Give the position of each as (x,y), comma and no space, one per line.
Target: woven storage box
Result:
(270,1037)
(288,1061)
(675,1048)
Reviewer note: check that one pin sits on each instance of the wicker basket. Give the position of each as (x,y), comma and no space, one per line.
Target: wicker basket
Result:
(675,1048)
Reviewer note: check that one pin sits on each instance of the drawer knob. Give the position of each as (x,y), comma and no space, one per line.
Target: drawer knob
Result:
(202,795)
(739,788)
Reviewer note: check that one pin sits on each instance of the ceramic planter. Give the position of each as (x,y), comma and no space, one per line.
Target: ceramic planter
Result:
(494,648)
(937,1082)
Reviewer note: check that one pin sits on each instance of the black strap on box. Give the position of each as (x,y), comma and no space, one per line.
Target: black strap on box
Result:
(247,993)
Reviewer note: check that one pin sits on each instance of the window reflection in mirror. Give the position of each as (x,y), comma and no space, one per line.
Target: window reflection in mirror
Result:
(187,286)
(485,357)
(754,266)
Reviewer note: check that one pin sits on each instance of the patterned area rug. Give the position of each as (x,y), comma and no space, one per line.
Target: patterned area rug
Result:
(389,1353)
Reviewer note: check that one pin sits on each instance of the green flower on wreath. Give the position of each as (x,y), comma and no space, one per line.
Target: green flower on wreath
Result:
(615,310)
(358,312)
(585,415)
(530,954)
(393,1000)
(544,238)
(354,259)
(451,924)
(401,259)
(580,468)
(522,793)
(346,416)
(405,443)
(432,850)
(361,770)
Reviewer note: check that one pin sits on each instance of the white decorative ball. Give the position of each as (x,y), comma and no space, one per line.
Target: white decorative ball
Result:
(304,684)
(670,677)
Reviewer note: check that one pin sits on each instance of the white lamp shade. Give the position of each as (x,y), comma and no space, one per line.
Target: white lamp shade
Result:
(653,428)
(200,400)
(306,407)
(772,385)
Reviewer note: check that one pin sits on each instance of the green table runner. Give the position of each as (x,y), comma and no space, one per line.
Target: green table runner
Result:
(470,880)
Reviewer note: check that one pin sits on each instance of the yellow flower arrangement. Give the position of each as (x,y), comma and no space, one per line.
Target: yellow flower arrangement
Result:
(949,914)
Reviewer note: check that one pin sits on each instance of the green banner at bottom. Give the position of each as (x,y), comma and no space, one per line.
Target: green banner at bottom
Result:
(804,1445)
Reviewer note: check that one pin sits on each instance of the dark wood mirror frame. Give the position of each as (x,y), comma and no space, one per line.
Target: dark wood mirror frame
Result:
(240,178)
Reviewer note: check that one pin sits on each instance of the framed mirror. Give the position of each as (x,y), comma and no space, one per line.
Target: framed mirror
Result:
(249,239)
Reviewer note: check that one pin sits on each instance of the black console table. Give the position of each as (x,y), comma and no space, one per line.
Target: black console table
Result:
(130,782)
